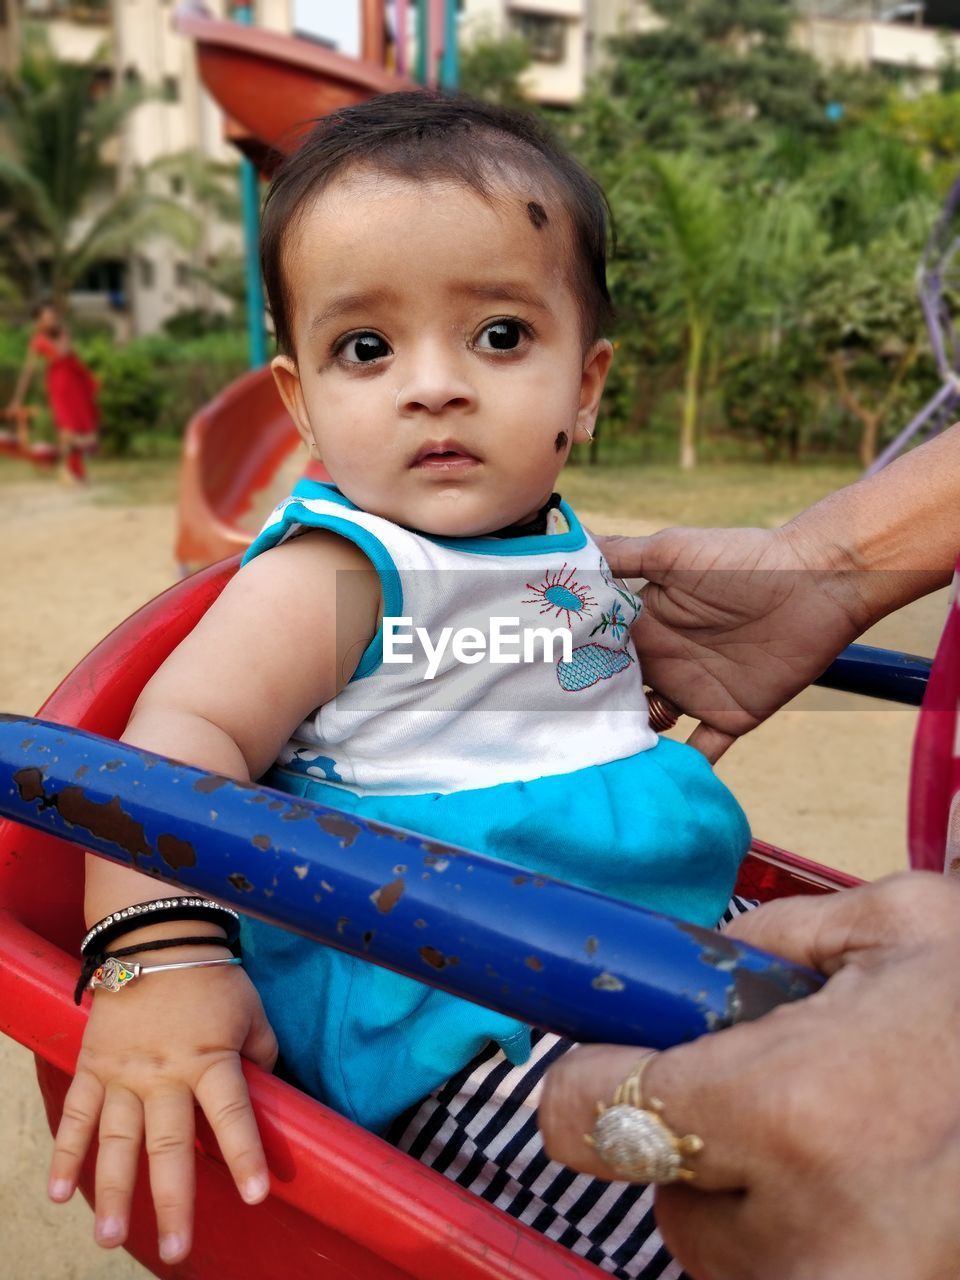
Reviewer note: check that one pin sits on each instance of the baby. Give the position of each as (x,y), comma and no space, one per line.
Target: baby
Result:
(436,272)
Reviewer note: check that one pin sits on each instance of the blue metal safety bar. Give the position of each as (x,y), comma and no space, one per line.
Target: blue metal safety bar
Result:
(879,673)
(554,955)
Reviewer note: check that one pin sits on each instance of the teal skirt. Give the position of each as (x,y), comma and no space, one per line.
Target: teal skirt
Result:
(657,829)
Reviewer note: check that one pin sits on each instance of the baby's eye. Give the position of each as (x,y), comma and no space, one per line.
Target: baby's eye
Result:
(501,335)
(361,348)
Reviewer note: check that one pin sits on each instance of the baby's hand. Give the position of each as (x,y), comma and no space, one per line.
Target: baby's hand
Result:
(148,1053)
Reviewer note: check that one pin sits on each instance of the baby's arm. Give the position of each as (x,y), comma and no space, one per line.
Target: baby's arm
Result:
(284,637)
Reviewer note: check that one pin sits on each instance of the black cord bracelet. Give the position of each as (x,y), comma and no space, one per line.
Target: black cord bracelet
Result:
(116,925)
(161,944)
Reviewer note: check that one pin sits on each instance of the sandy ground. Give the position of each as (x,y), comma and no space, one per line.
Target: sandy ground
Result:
(827,777)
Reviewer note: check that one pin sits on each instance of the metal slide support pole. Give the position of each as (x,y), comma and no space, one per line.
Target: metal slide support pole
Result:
(250,194)
(422,61)
(450,64)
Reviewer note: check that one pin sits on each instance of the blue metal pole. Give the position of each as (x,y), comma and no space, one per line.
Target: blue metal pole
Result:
(250,195)
(422,61)
(450,63)
(584,966)
(879,673)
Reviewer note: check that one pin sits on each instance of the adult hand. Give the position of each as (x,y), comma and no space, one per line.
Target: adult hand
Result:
(737,621)
(148,1053)
(831,1126)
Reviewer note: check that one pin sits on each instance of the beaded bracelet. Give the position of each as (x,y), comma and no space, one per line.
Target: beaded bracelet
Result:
(120,922)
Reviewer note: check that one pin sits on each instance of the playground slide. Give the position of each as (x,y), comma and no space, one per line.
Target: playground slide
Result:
(233,449)
(271,87)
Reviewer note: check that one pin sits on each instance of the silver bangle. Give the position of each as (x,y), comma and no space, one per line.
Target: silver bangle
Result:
(114,974)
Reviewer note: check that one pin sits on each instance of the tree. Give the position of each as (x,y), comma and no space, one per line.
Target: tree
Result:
(696,226)
(492,69)
(930,123)
(866,313)
(58,121)
(719,73)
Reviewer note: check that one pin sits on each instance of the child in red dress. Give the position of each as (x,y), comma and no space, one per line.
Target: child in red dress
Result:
(71,391)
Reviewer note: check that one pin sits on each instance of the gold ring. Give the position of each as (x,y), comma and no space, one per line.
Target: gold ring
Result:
(663,714)
(633,1138)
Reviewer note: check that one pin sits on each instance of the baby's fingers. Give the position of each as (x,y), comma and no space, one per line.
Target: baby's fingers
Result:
(81,1110)
(222,1092)
(121,1131)
(168,1115)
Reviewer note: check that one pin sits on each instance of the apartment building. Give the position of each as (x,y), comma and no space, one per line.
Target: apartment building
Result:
(566,38)
(904,37)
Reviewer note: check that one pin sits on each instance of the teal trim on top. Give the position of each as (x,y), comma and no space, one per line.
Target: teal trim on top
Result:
(369,544)
(538,544)
(573,540)
(322,490)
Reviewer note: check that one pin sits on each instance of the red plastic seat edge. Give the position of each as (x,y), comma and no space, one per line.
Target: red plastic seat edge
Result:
(322,1164)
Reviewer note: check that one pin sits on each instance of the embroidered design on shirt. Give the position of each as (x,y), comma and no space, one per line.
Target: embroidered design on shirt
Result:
(562,595)
(613,620)
(589,664)
(629,598)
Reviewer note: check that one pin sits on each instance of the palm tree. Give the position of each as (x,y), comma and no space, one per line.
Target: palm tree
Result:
(58,120)
(696,225)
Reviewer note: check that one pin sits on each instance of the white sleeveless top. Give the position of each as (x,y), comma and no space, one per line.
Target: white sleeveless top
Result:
(451,717)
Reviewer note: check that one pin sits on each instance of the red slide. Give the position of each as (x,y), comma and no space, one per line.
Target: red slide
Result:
(271,87)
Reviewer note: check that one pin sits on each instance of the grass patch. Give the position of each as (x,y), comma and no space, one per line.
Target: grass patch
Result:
(764,494)
(115,481)
(132,482)
(716,494)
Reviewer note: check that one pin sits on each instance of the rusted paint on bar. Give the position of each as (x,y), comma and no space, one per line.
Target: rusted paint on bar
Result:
(580,964)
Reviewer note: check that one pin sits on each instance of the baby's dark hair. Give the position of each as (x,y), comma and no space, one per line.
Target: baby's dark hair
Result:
(428,136)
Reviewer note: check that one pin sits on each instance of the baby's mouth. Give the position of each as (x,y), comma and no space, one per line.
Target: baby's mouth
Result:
(444,455)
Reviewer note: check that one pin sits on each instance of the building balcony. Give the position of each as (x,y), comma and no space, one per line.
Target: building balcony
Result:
(942,14)
(84,12)
(548,8)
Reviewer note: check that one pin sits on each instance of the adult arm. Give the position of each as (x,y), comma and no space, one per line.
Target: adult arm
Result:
(738,621)
(831,1126)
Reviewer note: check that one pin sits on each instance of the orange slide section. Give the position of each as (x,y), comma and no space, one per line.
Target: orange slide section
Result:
(271,87)
(233,449)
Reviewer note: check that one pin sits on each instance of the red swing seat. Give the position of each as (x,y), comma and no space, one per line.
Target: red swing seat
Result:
(344,1204)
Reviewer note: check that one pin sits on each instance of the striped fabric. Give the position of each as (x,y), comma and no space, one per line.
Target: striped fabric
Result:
(480,1130)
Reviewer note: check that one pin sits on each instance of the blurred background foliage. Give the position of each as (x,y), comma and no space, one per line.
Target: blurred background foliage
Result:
(769,213)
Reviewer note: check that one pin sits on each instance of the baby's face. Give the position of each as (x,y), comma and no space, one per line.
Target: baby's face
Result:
(440,372)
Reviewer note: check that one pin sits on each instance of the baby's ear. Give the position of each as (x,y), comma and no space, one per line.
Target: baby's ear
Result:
(287,377)
(596,366)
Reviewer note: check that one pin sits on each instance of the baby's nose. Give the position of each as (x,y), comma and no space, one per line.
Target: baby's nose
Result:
(434,386)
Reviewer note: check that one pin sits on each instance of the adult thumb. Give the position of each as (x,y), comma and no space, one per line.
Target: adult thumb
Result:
(820,932)
(627,557)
